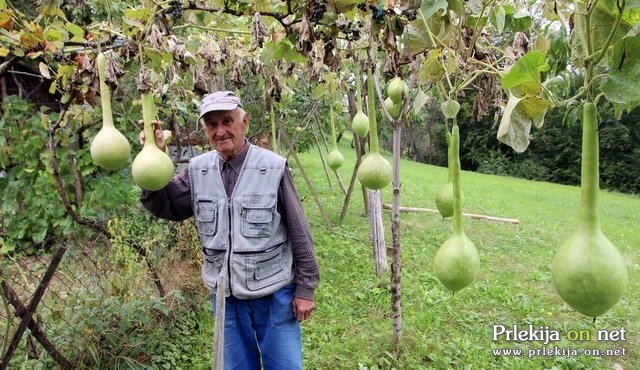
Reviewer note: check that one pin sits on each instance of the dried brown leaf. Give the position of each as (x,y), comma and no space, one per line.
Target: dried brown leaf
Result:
(305,36)
(143,81)
(258,32)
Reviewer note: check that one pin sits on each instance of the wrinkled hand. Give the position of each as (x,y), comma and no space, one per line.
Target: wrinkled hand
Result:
(302,308)
(157,129)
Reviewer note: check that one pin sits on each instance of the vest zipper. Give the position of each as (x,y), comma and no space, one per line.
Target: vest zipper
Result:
(230,223)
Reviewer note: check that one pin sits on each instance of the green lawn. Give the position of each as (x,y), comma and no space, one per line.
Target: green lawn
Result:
(352,326)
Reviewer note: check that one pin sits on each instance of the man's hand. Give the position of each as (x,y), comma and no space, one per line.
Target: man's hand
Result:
(302,308)
(160,143)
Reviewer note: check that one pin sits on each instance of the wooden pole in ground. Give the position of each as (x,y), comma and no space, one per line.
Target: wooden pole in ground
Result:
(306,179)
(514,221)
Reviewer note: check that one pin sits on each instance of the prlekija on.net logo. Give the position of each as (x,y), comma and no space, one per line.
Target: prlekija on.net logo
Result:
(545,334)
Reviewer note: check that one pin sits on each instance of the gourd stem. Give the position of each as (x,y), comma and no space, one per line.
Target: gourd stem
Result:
(589,181)
(148,116)
(449,157)
(358,88)
(105,93)
(333,128)
(373,124)
(457,191)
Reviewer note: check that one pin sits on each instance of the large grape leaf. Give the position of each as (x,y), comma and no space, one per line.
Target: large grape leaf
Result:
(622,84)
(430,7)
(602,21)
(518,116)
(431,70)
(526,71)
(417,36)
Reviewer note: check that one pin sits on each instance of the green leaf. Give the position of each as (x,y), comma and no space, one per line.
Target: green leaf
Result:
(457,6)
(498,18)
(622,84)
(526,70)
(474,7)
(430,7)
(518,116)
(75,30)
(319,91)
(420,100)
(431,70)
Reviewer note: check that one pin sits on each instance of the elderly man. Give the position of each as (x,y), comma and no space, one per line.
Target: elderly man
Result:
(252,227)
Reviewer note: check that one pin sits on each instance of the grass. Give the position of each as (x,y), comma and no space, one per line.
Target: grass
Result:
(352,325)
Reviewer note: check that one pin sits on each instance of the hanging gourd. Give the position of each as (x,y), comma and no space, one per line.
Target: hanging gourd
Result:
(457,262)
(360,121)
(109,149)
(152,169)
(394,109)
(375,171)
(588,271)
(335,159)
(397,90)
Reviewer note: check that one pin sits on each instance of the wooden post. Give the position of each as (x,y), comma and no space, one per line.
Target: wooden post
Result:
(377,231)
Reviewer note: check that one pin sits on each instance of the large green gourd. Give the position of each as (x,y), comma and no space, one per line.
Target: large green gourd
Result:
(457,262)
(152,168)
(588,271)
(375,171)
(109,148)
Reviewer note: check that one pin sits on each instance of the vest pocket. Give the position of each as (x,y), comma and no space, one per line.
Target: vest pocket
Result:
(266,268)
(258,215)
(206,216)
(212,263)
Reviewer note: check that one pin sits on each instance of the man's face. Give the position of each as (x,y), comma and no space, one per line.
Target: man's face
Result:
(225,130)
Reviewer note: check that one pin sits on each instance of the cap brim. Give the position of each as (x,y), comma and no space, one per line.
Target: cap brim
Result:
(219,107)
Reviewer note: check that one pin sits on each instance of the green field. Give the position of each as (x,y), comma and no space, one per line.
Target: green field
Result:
(352,325)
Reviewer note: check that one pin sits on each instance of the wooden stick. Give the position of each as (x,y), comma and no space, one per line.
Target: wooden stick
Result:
(470,215)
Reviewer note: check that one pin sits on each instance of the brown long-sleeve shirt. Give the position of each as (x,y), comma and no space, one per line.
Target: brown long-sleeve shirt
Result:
(174,203)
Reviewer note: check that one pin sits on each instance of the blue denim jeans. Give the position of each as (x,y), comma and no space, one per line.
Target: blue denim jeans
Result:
(262,331)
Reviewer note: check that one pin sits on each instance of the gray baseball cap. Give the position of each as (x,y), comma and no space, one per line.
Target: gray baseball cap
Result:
(219,101)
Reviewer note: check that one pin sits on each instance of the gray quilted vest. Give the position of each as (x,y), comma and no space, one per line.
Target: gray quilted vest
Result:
(244,231)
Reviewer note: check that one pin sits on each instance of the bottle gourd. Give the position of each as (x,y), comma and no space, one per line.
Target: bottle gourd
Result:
(335,159)
(457,262)
(588,271)
(152,168)
(375,171)
(360,121)
(109,149)
(444,196)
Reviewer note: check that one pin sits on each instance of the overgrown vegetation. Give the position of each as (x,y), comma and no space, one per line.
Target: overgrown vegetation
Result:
(351,327)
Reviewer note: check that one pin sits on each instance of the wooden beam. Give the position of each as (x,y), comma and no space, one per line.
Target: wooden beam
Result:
(470,215)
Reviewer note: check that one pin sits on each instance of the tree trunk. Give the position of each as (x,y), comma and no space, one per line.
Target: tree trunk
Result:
(396,261)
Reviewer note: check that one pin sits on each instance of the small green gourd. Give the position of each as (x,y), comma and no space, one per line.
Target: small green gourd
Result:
(360,121)
(588,271)
(457,263)
(375,172)
(109,149)
(335,159)
(397,90)
(394,109)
